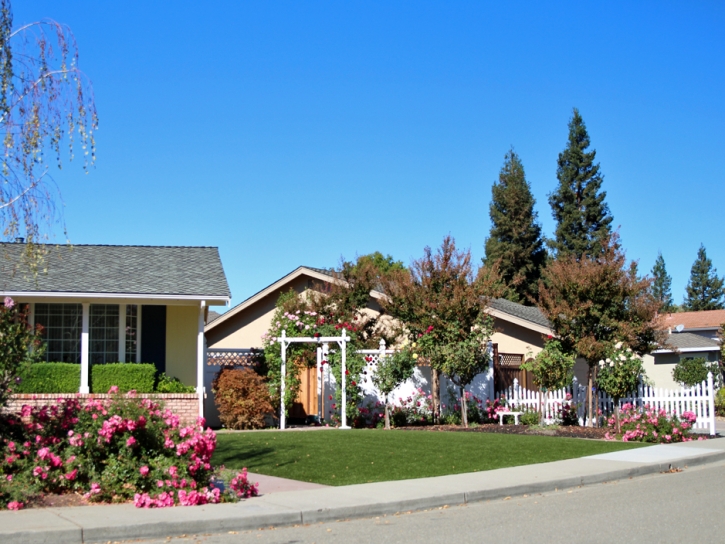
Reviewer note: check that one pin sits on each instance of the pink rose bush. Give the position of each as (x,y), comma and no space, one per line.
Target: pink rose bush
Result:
(650,425)
(116,450)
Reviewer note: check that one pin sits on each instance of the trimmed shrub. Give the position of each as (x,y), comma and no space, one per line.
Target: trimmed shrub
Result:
(242,397)
(530,417)
(720,402)
(139,377)
(169,384)
(693,371)
(50,378)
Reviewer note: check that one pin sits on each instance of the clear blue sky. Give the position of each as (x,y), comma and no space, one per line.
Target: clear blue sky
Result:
(290,133)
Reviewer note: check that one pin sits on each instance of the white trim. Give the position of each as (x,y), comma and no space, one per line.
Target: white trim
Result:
(686,350)
(200,358)
(215,300)
(296,273)
(519,321)
(85,367)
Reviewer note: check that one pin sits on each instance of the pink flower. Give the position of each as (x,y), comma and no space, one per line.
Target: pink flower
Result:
(72,475)
(9,303)
(14,505)
(113,389)
(144,470)
(131,442)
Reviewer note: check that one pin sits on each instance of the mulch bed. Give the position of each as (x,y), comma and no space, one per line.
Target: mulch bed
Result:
(595,433)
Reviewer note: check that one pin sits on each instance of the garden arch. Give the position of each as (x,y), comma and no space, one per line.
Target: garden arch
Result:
(285,342)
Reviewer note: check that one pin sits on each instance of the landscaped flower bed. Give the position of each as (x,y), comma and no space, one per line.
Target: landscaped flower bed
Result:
(648,424)
(115,450)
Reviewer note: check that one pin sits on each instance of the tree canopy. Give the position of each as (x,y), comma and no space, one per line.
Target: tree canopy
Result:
(662,284)
(46,104)
(583,221)
(515,241)
(704,290)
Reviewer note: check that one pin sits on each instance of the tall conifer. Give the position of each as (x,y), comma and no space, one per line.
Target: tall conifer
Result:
(662,284)
(705,290)
(583,221)
(515,239)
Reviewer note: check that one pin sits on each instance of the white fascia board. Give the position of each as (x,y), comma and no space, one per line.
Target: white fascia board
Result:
(268,290)
(32,296)
(686,350)
(519,321)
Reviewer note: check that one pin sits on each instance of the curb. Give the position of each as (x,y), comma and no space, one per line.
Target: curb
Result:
(125,521)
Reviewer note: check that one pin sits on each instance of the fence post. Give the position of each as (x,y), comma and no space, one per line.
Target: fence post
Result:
(516,393)
(489,373)
(382,349)
(711,403)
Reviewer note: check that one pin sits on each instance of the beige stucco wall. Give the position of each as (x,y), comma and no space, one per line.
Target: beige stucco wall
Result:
(513,338)
(182,327)
(660,365)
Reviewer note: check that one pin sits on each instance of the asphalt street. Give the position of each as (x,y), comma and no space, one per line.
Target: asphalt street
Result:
(672,507)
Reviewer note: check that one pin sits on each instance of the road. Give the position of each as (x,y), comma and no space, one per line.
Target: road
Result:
(674,507)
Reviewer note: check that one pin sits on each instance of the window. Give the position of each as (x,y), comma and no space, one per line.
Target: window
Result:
(131,332)
(103,334)
(62,325)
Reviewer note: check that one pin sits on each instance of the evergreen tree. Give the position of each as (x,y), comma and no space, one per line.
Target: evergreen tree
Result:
(582,217)
(705,290)
(662,284)
(515,240)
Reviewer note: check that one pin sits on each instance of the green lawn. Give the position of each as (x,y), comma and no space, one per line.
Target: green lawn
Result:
(337,457)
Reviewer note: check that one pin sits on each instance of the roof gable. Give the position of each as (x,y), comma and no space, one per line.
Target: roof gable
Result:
(105,269)
(708,319)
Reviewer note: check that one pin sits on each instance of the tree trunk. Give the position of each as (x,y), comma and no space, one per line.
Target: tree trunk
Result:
(436,394)
(464,408)
(590,381)
(387,413)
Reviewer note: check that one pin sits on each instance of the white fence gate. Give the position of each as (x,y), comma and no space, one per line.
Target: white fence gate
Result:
(699,399)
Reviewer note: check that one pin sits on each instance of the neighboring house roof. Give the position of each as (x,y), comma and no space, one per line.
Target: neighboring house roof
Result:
(528,316)
(211,316)
(688,342)
(155,271)
(709,319)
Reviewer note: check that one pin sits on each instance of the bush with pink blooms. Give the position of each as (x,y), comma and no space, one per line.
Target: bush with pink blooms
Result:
(117,450)
(648,424)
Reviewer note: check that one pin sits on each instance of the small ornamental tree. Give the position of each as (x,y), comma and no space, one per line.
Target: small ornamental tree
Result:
(619,376)
(242,397)
(692,371)
(597,303)
(441,299)
(19,344)
(551,368)
(391,371)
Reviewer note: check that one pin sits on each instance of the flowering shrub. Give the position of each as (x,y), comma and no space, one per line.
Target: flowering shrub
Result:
(416,409)
(567,415)
(117,450)
(650,425)
(476,410)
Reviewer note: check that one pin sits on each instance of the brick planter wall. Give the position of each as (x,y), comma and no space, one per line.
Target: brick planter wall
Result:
(184,405)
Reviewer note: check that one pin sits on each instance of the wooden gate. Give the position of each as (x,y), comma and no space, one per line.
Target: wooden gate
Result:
(506,368)
(306,402)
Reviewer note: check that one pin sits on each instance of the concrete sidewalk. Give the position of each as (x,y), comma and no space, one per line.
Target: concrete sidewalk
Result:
(125,522)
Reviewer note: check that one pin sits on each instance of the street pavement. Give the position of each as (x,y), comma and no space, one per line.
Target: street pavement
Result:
(674,507)
(381,499)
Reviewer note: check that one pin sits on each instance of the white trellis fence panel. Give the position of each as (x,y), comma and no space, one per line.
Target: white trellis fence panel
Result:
(699,399)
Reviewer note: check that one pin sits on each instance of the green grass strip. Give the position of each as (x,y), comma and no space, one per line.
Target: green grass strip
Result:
(335,457)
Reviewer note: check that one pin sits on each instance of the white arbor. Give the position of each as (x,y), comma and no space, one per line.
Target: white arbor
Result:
(285,342)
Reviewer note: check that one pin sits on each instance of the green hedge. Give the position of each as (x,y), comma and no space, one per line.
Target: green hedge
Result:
(66,378)
(50,378)
(127,376)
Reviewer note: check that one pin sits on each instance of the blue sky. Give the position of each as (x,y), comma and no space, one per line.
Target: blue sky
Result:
(290,133)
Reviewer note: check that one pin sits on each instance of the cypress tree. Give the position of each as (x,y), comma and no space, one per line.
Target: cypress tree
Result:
(582,217)
(705,290)
(515,239)
(662,284)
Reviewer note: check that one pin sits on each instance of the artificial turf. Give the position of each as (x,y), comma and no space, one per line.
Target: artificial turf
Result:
(336,457)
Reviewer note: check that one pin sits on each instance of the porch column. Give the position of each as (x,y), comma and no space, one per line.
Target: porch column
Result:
(121,333)
(84,347)
(200,359)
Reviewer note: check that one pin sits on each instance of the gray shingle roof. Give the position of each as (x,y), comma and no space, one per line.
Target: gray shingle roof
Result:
(147,270)
(690,340)
(528,313)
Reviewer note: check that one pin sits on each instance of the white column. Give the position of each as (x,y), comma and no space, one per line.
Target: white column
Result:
(200,359)
(319,381)
(489,372)
(343,345)
(121,333)
(711,403)
(282,373)
(84,347)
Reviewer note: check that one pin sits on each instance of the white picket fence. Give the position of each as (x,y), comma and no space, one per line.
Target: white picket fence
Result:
(699,399)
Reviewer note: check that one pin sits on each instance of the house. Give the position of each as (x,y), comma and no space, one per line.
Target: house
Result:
(689,335)
(520,332)
(103,303)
